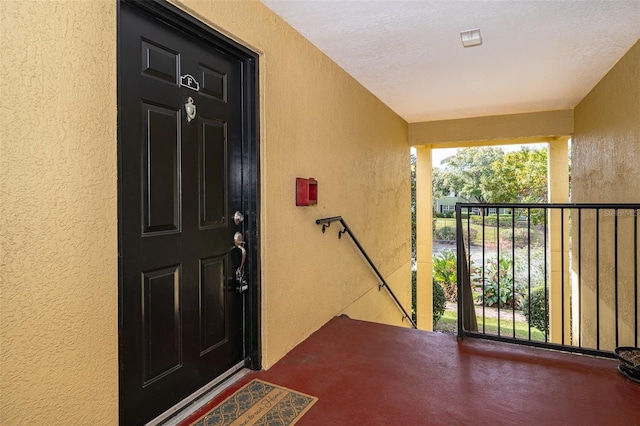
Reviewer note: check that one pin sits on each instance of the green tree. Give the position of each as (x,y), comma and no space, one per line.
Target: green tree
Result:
(519,177)
(440,183)
(490,175)
(470,171)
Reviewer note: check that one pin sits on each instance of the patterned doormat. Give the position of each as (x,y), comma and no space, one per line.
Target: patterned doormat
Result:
(259,403)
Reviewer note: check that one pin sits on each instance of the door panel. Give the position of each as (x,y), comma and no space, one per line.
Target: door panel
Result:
(161,341)
(213,297)
(160,62)
(161,170)
(214,83)
(214,169)
(180,182)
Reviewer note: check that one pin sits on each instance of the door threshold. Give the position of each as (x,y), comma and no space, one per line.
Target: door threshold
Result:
(183,409)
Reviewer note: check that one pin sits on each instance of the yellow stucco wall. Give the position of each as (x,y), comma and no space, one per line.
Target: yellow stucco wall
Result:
(606,169)
(606,142)
(59,326)
(559,245)
(510,128)
(317,121)
(424,238)
(59,199)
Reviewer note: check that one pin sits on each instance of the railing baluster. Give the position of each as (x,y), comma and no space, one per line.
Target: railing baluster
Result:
(597,279)
(546,272)
(513,271)
(484,265)
(469,239)
(498,264)
(579,277)
(529,266)
(469,257)
(615,268)
(562,272)
(635,276)
(459,249)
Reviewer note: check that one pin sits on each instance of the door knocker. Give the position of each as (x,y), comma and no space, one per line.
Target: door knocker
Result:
(190,109)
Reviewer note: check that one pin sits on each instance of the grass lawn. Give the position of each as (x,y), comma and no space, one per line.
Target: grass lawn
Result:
(449,323)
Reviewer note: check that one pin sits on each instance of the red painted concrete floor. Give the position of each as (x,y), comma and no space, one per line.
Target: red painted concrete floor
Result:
(371,374)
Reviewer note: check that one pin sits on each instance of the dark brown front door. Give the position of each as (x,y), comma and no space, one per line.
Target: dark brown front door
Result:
(183,174)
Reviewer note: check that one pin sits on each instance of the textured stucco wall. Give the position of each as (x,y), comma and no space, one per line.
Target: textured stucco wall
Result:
(424,238)
(606,142)
(58,355)
(606,169)
(522,128)
(59,199)
(59,239)
(319,122)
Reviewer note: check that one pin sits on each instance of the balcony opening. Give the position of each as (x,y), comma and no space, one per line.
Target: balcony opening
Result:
(551,274)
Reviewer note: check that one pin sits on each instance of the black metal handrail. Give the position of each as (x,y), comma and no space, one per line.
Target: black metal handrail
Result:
(326,222)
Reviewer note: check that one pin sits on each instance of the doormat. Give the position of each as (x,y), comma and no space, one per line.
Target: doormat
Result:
(259,403)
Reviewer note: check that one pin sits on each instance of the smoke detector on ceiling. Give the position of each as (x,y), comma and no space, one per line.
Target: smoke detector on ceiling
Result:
(471,38)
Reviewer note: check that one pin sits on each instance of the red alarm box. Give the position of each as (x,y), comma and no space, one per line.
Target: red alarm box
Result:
(306,192)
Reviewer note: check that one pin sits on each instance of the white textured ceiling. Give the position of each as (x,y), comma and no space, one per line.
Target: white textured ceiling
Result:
(536,55)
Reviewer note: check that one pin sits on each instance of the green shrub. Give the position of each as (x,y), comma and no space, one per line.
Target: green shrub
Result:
(492,220)
(471,234)
(445,273)
(439,302)
(504,217)
(538,316)
(414,296)
(522,237)
(446,233)
(476,219)
(462,215)
(449,214)
(498,284)
(530,266)
(503,298)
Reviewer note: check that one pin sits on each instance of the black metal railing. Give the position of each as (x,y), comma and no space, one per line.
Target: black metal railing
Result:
(326,223)
(560,276)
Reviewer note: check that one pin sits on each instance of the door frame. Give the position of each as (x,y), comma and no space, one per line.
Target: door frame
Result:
(182,21)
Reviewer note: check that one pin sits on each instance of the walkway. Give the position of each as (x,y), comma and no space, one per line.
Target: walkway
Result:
(371,374)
